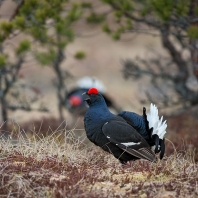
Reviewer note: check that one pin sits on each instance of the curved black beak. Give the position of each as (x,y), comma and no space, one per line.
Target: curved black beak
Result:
(87,99)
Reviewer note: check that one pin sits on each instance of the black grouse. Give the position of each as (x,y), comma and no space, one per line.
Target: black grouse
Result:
(118,134)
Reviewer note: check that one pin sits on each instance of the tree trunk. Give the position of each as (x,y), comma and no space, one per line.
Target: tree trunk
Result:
(4,115)
(194,53)
(60,82)
(194,57)
(194,42)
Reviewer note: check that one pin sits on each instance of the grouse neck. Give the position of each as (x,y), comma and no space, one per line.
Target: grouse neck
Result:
(97,101)
(99,109)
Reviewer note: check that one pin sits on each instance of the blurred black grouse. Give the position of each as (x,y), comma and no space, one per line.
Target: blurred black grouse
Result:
(128,136)
(74,99)
(76,105)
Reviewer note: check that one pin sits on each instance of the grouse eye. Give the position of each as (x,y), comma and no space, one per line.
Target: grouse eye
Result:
(92,90)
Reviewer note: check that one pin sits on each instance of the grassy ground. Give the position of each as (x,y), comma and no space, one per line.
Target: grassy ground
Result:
(59,165)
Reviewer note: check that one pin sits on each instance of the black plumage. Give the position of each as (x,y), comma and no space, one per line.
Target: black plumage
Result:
(112,132)
(140,123)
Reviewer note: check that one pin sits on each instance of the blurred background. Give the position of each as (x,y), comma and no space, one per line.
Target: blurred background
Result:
(134,52)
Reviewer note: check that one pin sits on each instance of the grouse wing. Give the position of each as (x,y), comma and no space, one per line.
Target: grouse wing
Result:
(120,133)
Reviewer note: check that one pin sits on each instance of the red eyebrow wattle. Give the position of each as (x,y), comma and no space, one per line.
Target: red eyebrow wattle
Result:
(92,90)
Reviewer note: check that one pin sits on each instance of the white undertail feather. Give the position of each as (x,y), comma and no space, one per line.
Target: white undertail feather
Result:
(159,126)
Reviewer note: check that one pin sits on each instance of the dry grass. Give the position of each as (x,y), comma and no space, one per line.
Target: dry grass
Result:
(59,165)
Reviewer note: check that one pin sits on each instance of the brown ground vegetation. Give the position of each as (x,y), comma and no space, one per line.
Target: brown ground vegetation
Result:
(60,165)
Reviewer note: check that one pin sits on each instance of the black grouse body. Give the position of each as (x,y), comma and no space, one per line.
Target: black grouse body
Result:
(113,133)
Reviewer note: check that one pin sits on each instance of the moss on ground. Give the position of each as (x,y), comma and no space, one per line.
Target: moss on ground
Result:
(57,166)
